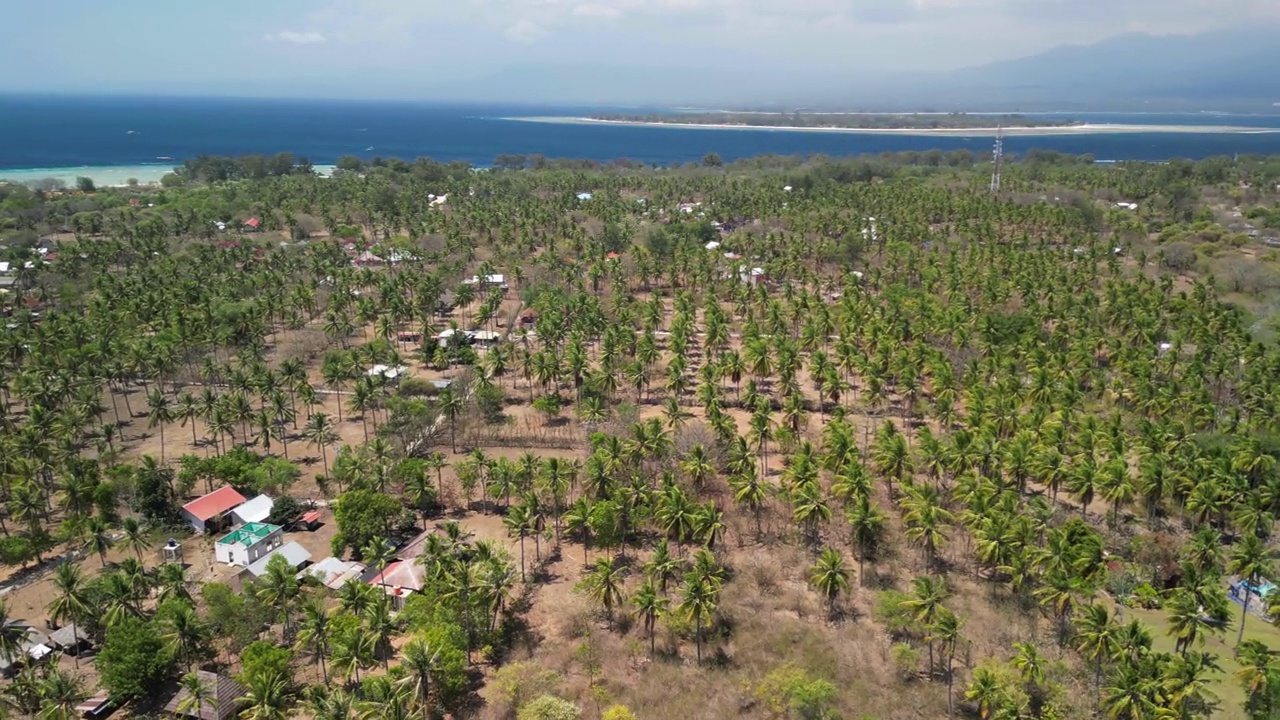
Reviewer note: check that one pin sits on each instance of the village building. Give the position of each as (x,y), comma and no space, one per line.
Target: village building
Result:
(253,511)
(248,544)
(333,572)
(226,698)
(212,512)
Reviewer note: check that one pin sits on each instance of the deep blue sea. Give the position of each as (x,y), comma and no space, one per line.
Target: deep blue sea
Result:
(67,132)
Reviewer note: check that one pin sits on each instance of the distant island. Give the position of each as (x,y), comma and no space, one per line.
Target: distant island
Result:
(849,121)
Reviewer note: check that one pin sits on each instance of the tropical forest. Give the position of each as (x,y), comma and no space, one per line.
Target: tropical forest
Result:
(776,437)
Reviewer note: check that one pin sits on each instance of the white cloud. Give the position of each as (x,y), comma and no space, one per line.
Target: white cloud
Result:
(596,10)
(525,31)
(296,38)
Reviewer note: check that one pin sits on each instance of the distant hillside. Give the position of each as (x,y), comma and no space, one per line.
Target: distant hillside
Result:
(1227,70)
(1235,66)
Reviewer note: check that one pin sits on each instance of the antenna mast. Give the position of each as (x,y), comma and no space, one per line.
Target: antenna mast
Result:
(997,159)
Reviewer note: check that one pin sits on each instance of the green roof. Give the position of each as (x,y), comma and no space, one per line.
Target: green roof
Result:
(249,534)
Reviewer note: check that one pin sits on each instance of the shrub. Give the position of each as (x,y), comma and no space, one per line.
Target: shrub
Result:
(548,707)
(489,398)
(1178,256)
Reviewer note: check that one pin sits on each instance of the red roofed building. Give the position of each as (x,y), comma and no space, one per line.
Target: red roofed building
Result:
(211,511)
(253,224)
(399,579)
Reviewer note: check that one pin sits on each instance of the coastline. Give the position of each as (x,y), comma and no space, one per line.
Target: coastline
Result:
(103,175)
(1081,129)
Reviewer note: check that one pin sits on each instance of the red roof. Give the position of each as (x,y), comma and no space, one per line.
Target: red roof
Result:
(311,517)
(214,504)
(612,256)
(252,222)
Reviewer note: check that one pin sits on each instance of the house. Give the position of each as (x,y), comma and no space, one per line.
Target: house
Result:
(442,384)
(71,640)
(5,266)
(484,338)
(497,280)
(226,698)
(253,511)
(34,646)
(1126,206)
(529,317)
(367,258)
(445,303)
(754,276)
(399,579)
(712,245)
(333,572)
(296,555)
(253,224)
(442,199)
(584,196)
(211,511)
(387,373)
(408,336)
(248,544)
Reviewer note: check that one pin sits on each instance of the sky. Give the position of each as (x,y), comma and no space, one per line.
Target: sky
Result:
(435,49)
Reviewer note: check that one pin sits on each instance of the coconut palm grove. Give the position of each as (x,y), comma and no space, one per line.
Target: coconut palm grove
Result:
(773,438)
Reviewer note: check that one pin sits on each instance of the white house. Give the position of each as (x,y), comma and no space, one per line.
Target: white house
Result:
(254,511)
(211,511)
(388,373)
(248,544)
(293,553)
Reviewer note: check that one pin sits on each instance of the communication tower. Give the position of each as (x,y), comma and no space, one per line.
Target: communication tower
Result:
(997,159)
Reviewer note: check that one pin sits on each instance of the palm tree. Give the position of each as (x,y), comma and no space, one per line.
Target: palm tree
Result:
(383,627)
(378,554)
(1096,639)
(421,664)
(604,585)
(925,604)
(1257,674)
(59,694)
(136,536)
(866,526)
(450,405)
(269,696)
(185,633)
(279,588)
(830,576)
(517,521)
(160,413)
(649,604)
(313,632)
(1251,561)
(198,695)
(98,538)
(72,603)
(946,630)
(319,433)
(698,601)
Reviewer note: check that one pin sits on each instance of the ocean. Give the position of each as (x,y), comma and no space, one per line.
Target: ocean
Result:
(114,138)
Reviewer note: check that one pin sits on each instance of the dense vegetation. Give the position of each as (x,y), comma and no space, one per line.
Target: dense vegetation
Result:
(945,453)
(860,121)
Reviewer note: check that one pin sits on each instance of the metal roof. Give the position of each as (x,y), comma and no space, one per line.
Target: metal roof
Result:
(255,510)
(293,552)
(214,504)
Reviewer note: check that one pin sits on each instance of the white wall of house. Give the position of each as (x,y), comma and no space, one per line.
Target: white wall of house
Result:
(243,556)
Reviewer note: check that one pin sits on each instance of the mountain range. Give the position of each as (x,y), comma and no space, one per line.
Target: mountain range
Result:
(1221,70)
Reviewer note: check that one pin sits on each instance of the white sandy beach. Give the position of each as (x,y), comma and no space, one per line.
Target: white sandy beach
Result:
(104,175)
(1081,129)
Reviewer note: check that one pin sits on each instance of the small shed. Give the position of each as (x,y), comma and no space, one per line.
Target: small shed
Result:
(226,698)
(445,303)
(253,224)
(211,511)
(71,640)
(253,511)
(96,707)
(310,520)
(529,317)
